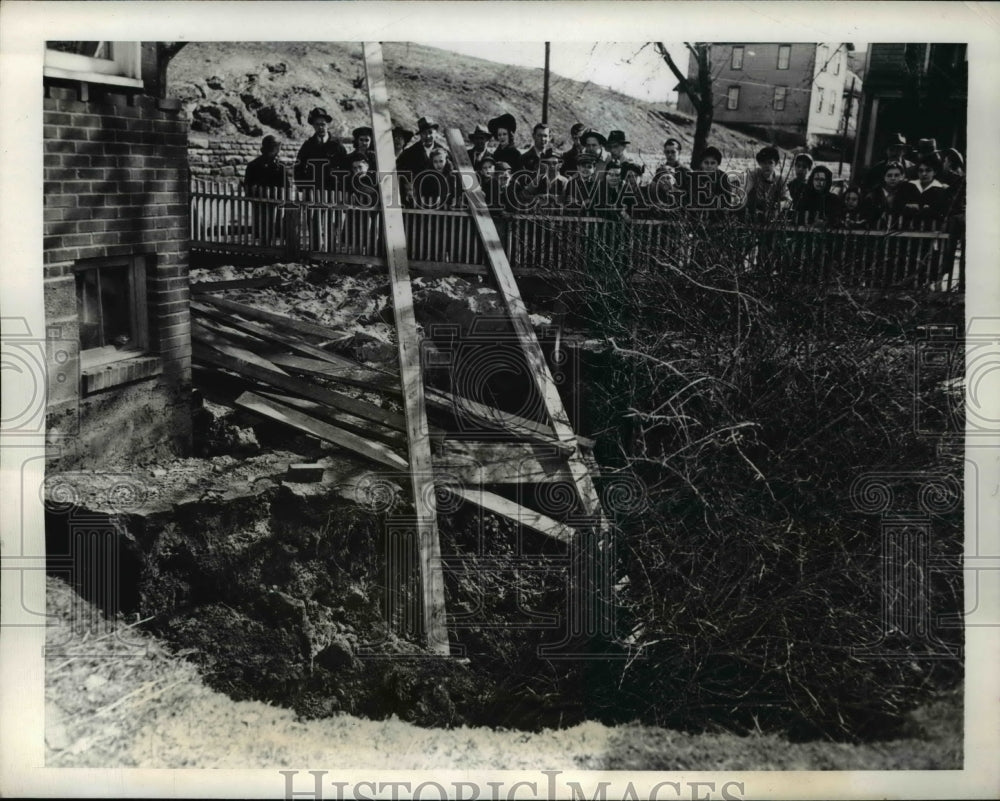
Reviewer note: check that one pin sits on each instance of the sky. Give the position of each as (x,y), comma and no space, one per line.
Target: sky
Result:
(632,68)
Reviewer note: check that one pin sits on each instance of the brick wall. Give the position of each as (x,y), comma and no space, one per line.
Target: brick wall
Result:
(116,184)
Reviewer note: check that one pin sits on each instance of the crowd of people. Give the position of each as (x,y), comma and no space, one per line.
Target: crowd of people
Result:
(597,176)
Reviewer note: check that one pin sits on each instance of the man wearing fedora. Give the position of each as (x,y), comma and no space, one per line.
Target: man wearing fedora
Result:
(502,129)
(321,159)
(617,142)
(570,157)
(417,157)
(479,137)
(400,139)
(895,152)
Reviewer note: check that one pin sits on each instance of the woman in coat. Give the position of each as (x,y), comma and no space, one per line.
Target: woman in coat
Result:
(503,129)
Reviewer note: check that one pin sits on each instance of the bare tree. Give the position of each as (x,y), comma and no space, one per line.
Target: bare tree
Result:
(698,91)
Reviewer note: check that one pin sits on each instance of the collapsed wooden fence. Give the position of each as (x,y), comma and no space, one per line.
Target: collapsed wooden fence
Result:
(296,223)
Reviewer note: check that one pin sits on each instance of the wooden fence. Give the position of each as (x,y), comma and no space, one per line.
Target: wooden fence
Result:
(294,223)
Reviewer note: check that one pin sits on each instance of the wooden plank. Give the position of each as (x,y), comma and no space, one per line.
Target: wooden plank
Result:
(210,355)
(280,320)
(351,374)
(539,369)
(242,283)
(273,410)
(477,463)
(201,334)
(411,375)
(269,334)
(513,511)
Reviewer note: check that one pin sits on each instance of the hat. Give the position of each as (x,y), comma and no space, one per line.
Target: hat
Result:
(768,153)
(577,127)
(480,131)
(895,140)
(403,133)
(425,123)
(587,158)
(488,157)
(617,138)
(505,121)
(590,132)
(364,130)
(926,145)
(317,113)
(502,165)
(955,156)
(550,155)
(357,156)
(803,157)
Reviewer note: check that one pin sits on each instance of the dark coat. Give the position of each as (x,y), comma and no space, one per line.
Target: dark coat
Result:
(932,203)
(879,203)
(530,159)
(321,164)
(510,154)
(570,162)
(874,176)
(475,159)
(814,205)
(264,172)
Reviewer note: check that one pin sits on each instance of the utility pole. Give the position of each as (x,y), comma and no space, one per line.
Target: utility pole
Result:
(545,87)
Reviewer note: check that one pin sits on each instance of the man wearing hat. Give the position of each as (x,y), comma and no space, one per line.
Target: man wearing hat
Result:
(548,188)
(503,129)
(570,156)
(417,157)
(321,158)
(479,137)
(895,151)
(364,143)
(400,139)
(593,143)
(616,146)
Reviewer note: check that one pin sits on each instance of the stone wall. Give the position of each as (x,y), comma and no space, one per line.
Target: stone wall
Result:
(116,187)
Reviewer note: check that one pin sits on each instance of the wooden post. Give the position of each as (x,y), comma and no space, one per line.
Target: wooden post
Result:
(411,375)
(545,87)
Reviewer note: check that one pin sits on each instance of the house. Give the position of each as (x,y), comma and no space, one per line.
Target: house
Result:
(792,94)
(115,261)
(918,90)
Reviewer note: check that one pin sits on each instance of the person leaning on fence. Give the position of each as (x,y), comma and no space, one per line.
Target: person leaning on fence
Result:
(850,214)
(767,195)
(265,175)
(361,190)
(926,198)
(817,203)
(416,158)
(883,202)
(321,159)
(503,129)
(570,156)
(801,166)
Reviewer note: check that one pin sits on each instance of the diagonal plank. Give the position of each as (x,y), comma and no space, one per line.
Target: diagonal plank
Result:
(279,320)
(411,375)
(375,451)
(541,375)
(514,511)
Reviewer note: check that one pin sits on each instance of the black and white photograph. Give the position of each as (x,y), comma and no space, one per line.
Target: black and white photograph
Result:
(400,404)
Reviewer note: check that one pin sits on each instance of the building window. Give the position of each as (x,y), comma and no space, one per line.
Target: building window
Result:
(115,63)
(737,62)
(111,309)
(836,64)
(779,97)
(733,98)
(784,56)
(819,105)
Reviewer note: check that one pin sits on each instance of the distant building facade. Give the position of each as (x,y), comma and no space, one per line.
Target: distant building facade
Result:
(918,90)
(790,93)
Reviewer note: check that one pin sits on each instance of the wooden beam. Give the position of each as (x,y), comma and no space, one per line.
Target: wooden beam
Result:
(351,422)
(202,334)
(347,373)
(209,354)
(537,366)
(513,511)
(280,320)
(300,421)
(241,283)
(411,375)
(477,463)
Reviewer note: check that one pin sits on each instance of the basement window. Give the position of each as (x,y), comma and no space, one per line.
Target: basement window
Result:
(114,63)
(111,309)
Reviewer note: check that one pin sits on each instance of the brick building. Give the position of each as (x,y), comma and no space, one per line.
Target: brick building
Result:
(792,94)
(116,229)
(920,90)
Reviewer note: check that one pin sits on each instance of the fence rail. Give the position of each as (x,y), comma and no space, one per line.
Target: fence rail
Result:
(296,223)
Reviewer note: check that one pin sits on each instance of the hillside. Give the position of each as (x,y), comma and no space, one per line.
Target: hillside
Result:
(253,89)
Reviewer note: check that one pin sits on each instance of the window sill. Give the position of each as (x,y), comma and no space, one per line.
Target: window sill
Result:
(91,77)
(97,377)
